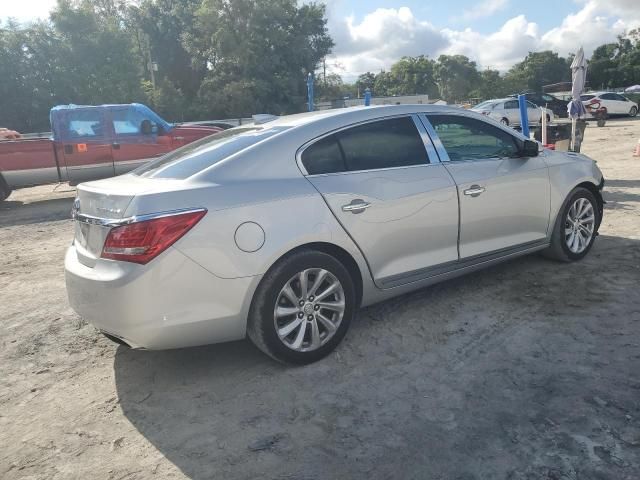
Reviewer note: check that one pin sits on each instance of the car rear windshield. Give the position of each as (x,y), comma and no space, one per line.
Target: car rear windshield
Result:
(586,97)
(201,154)
(487,104)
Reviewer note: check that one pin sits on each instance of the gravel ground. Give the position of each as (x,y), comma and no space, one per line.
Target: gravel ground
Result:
(528,370)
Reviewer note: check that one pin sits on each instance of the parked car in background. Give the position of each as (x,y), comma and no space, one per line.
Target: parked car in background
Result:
(90,142)
(282,230)
(555,104)
(507,111)
(614,103)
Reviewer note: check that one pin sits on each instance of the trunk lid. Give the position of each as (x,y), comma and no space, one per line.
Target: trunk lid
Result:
(106,201)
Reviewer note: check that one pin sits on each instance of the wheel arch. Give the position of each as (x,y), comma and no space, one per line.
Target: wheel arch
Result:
(594,189)
(339,254)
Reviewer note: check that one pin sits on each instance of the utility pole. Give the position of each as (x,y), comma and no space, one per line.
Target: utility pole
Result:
(324,71)
(152,66)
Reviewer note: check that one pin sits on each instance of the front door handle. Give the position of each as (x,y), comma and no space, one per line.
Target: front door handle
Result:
(356,206)
(474,190)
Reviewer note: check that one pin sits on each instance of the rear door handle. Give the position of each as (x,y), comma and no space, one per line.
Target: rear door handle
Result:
(356,206)
(474,190)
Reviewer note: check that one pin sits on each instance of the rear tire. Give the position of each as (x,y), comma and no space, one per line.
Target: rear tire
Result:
(570,224)
(5,191)
(285,320)
(504,121)
(633,112)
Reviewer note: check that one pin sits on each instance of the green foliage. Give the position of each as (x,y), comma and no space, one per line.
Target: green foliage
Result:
(233,58)
(215,58)
(538,69)
(615,64)
(455,76)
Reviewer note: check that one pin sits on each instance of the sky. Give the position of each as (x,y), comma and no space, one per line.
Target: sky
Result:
(370,35)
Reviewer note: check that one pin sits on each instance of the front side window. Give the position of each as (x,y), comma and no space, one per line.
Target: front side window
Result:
(608,96)
(511,104)
(467,138)
(390,143)
(128,121)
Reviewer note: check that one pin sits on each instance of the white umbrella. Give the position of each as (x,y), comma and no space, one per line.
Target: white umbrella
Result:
(578,78)
(633,89)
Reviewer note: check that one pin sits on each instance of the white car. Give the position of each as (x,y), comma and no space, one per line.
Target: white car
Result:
(507,111)
(615,103)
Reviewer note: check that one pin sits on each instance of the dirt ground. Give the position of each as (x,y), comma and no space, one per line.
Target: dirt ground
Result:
(528,370)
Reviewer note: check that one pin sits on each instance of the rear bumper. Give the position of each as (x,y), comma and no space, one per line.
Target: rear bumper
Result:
(172,302)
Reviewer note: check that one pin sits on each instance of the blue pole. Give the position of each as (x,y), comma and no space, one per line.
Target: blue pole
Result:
(310,91)
(367,97)
(524,118)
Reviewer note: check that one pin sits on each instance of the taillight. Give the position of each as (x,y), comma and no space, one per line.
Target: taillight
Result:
(142,241)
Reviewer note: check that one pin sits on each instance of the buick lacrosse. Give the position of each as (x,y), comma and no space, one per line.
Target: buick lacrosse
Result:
(281,230)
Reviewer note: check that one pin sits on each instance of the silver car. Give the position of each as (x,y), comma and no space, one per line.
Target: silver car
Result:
(507,111)
(280,231)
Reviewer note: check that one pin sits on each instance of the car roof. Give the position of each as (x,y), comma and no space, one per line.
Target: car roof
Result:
(351,114)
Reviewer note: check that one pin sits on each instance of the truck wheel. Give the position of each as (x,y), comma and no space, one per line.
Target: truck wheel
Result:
(5,191)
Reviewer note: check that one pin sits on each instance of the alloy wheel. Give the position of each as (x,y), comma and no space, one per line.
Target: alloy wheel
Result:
(309,309)
(579,225)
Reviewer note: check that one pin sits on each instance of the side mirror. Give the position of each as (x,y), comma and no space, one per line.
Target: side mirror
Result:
(529,149)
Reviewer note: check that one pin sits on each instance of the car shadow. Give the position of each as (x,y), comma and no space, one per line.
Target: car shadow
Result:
(617,194)
(229,411)
(16,212)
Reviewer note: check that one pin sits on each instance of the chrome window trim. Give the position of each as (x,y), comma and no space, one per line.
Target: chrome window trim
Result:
(118,222)
(413,117)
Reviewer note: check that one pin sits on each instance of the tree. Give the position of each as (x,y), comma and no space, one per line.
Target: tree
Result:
(491,85)
(539,69)
(260,50)
(414,75)
(366,80)
(455,76)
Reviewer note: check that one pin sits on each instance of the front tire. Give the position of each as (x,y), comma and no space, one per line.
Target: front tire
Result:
(633,112)
(576,227)
(504,121)
(302,308)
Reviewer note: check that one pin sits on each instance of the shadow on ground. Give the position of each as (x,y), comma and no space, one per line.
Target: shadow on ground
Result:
(14,212)
(527,370)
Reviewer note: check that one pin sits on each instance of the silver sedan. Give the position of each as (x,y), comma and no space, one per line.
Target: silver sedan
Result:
(280,231)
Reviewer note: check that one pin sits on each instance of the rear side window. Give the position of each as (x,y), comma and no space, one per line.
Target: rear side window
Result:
(324,156)
(467,138)
(390,143)
(584,98)
(85,124)
(511,104)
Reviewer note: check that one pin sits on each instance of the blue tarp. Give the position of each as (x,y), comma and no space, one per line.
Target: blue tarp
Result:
(100,122)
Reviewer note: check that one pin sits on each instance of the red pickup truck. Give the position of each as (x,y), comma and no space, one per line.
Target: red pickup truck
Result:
(90,142)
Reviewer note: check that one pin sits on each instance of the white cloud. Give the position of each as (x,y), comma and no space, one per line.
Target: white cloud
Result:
(385,35)
(26,10)
(482,10)
(382,37)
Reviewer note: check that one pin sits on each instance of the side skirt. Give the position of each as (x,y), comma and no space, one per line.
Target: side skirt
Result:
(439,273)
